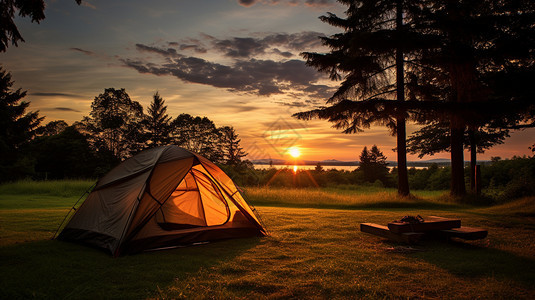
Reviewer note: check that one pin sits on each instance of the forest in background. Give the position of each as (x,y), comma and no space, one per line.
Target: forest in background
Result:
(117,128)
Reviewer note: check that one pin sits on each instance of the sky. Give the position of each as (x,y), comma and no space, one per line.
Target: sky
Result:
(236,62)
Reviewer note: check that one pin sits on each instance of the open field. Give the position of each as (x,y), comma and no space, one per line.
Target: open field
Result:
(315,251)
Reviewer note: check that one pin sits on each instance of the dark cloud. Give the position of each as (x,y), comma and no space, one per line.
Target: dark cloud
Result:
(319,2)
(169,52)
(247,72)
(298,104)
(241,108)
(44,94)
(86,52)
(62,109)
(320,91)
(285,54)
(239,47)
(301,41)
(246,3)
(196,48)
(261,77)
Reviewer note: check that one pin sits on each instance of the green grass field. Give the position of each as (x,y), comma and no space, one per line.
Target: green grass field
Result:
(315,251)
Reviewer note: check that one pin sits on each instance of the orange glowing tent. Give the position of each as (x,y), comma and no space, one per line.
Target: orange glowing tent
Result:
(161,197)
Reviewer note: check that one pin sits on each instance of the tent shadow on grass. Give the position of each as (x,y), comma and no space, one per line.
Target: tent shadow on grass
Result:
(472,261)
(53,269)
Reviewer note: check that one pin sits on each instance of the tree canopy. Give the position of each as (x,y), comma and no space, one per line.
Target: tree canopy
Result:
(114,123)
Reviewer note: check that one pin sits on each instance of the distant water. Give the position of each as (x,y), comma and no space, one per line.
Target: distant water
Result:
(312,167)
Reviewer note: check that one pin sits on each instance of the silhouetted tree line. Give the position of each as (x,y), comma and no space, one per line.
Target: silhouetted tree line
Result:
(115,129)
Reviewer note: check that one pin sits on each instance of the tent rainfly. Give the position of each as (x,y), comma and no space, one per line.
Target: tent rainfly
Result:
(162,197)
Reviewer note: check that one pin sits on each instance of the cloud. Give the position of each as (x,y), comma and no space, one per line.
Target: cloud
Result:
(169,52)
(87,4)
(86,52)
(281,53)
(319,3)
(195,48)
(62,109)
(298,104)
(241,107)
(311,3)
(246,3)
(240,47)
(260,77)
(261,64)
(320,91)
(243,47)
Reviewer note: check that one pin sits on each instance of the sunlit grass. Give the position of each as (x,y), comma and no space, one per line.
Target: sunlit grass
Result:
(359,197)
(60,188)
(311,253)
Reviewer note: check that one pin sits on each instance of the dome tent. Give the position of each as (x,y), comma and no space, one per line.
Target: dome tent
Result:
(161,197)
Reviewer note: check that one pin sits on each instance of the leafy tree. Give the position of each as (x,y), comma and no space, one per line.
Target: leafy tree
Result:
(66,154)
(197,134)
(17,128)
(230,145)
(114,124)
(157,122)
(373,165)
(435,138)
(35,9)
(52,128)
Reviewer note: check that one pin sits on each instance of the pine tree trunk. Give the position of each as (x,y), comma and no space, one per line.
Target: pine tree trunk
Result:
(403,179)
(458,187)
(473,159)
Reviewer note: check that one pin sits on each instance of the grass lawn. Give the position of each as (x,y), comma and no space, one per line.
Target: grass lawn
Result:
(315,251)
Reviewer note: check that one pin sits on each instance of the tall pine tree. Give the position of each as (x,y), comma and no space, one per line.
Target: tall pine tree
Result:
(230,144)
(370,57)
(478,73)
(157,122)
(17,128)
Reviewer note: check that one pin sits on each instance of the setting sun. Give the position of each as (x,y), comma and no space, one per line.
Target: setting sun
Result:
(294,152)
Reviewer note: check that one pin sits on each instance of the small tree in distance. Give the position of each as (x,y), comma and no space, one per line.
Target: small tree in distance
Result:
(230,144)
(157,122)
(373,165)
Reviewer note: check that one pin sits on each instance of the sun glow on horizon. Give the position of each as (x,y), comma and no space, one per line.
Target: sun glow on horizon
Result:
(294,152)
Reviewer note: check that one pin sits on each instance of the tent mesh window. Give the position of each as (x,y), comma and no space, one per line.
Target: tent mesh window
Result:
(196,202)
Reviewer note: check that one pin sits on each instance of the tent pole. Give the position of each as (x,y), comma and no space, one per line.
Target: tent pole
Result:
(73,208)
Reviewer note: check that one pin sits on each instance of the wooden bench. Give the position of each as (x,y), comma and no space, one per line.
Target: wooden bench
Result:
(431,227)
(430,223)
(465,233)
(381,230)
